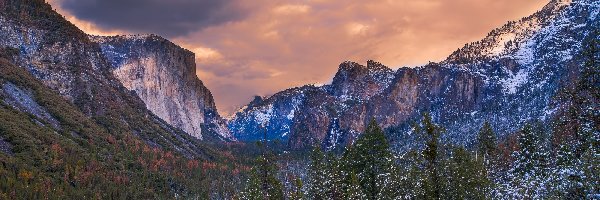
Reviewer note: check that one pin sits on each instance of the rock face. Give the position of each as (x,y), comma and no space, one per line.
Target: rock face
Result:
(163,75)
(507,78)
(354,81)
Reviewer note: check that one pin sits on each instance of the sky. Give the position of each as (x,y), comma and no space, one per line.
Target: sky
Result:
(258,47)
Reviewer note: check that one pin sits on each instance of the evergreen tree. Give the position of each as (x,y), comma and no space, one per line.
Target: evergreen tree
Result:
(333,184)
(316,174)
(354,191)
(253,188)
(466,177)
(391,184)
(372,160)
(486,144)
(263,182)
(588,90)
(411,176)
(528,176)
(591,171)
(431,132)
(567,174)
(531,158)
(297,193)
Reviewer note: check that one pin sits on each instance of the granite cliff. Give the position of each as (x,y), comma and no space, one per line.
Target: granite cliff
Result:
(163,75)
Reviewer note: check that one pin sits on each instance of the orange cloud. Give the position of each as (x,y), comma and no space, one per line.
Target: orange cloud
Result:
(281,44)
(291,9)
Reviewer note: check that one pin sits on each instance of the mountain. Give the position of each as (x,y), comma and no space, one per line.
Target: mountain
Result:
(70,129)
(163,75)
(507,78)
(68,62)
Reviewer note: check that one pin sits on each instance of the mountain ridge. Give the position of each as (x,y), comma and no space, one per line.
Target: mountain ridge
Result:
(461,92)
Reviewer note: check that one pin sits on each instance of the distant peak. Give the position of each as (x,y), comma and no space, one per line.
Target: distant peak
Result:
(350,64)
(372,66)
(257,100)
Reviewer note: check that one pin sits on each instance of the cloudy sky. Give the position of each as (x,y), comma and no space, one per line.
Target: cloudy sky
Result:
(258,47)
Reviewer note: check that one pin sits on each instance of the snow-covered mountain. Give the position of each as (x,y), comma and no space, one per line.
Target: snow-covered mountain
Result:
(507,78)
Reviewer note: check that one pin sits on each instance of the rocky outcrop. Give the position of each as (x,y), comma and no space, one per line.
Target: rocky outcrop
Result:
(507,78)
(359,82)
(24,101)
(163,75)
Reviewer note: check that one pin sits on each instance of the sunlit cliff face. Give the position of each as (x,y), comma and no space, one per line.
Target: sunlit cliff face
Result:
(246,48)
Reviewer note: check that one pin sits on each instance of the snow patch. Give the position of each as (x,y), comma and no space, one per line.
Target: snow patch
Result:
(290,116)
(514,81)
(501,44)
(263,116)
(526,55)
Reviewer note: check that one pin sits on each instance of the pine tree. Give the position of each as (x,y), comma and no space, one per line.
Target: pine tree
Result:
(431,132)
(531,157)
(486,144)
(567,174)
(316,175)
(354,191)
(297,193)
(372,160)
(333,184)
(529,175)
(392,183)
(263,182)
(591,170)
(466,177)
(588,88)
(411,176)
(253,188)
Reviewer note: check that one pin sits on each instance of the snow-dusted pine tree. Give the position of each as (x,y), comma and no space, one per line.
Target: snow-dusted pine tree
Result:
(354,190)
(263,182)
(528,176)
(432,185)
(297,193)
(465,176)
(317,175)
(486,145)
(334,179)
(372,160)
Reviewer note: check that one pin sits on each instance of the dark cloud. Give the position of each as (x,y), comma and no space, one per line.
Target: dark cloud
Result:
(170,18)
